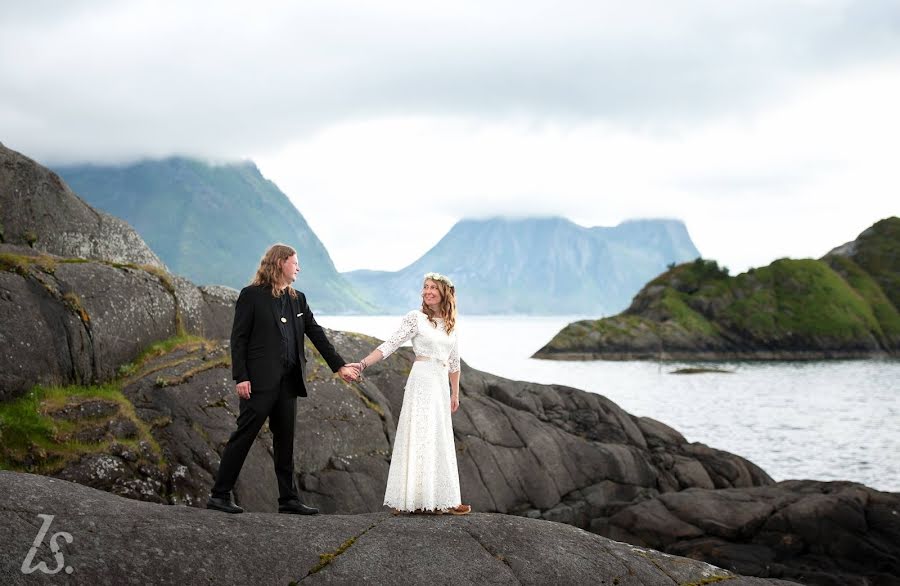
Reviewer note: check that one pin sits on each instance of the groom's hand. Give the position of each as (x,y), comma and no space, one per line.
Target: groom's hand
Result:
(243,389)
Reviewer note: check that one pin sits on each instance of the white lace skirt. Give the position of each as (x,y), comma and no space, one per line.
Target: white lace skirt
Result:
(423,472)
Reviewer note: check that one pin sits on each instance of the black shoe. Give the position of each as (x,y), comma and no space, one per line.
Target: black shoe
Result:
(225,505)
(297,508)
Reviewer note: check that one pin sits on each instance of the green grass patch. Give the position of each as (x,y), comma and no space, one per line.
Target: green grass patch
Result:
(32,440)
(799,299)
(673,301)
(183,341)
(885,313)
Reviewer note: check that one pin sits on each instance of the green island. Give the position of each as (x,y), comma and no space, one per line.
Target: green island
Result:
(844,305)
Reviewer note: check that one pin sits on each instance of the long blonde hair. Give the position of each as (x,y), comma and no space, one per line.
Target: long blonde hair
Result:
(269,273)
(447,305)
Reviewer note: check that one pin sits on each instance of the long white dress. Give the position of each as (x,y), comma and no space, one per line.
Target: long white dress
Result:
(423,473)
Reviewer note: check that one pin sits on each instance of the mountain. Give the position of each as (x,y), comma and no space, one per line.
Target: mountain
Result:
(841,306)
(212,223)
(536,266)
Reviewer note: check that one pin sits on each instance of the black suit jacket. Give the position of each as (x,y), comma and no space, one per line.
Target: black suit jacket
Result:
(256,340)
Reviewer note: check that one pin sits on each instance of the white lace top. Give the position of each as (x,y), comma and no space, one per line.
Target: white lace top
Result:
(427,340)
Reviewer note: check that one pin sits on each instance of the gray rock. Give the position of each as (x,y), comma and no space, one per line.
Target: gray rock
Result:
(109,540)
(813,532)
(41,341)
(217,310)
(37,209)
(205,311)
(76,322)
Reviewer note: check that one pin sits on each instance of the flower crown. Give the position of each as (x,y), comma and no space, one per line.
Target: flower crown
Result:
(439,277)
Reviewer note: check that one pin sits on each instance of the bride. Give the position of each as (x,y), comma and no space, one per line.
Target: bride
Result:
(423,476)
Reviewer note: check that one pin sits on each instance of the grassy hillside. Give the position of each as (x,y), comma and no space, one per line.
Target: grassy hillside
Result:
(791,308)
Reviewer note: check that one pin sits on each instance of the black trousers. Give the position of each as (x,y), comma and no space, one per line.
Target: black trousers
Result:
(280,407)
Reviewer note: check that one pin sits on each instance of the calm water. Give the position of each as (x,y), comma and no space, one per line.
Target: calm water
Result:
(836,420)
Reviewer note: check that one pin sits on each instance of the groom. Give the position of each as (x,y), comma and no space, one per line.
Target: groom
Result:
(267,362)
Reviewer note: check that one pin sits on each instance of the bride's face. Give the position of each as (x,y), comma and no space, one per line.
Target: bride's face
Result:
(431,295)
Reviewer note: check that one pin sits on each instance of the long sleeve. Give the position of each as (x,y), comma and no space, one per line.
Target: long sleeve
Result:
(317,336)
(240,335)
(409,327)
(453,360)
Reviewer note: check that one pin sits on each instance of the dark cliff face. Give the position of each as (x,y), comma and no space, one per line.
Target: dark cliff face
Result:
(40,212)
(537,265)
(74,321)
(833,307)
(212,223)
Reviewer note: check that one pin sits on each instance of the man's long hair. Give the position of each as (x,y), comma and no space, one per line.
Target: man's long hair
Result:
(447,306)
(269,272)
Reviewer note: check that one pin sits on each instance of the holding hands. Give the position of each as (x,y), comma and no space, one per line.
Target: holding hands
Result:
(350,372)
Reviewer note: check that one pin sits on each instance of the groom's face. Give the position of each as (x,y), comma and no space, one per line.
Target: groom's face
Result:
(290,268)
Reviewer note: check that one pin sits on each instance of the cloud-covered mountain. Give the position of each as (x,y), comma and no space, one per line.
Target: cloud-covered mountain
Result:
(536,266)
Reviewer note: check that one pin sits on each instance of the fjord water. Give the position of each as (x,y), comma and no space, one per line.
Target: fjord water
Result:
(826,420)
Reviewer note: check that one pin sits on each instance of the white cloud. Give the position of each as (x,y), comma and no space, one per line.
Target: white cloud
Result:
(794,180)
(386,122)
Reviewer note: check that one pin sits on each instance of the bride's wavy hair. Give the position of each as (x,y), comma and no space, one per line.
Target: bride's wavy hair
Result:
(447,305)
(269,272)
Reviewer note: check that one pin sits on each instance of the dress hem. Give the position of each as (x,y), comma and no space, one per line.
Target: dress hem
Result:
(433,508)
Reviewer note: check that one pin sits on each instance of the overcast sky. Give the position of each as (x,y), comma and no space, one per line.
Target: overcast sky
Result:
(771,127)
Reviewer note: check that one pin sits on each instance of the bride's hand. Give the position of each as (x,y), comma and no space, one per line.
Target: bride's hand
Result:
(454,404)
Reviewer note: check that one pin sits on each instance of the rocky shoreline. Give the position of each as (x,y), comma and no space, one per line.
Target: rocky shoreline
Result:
(545,452)
(128,403)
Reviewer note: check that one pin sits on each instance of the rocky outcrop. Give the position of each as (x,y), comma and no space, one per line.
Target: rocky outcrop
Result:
(830,533)
(38,210)
(842,306)
(110,540)
(81,294)
(542,451)
(76,321)
(539,451)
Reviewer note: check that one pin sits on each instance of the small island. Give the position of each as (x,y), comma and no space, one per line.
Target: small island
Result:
(844,305)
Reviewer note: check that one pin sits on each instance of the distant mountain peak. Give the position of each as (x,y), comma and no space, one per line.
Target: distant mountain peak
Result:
(537,265)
